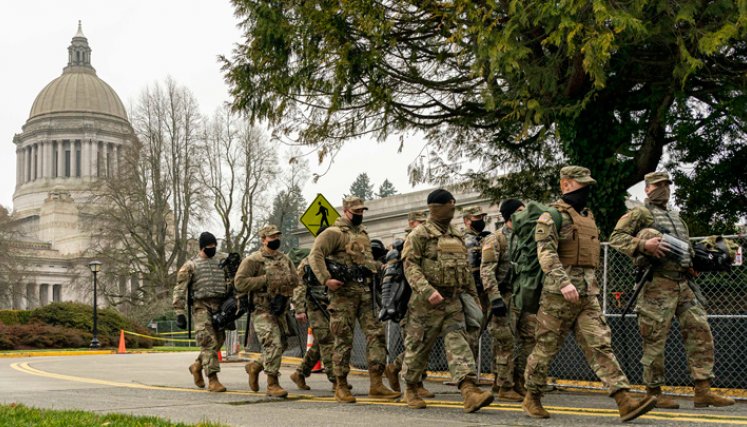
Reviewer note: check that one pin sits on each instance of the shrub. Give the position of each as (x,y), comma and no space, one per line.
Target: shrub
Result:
(39,335)
(14,317)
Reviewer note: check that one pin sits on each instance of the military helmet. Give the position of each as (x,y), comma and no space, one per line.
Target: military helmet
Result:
(377,248)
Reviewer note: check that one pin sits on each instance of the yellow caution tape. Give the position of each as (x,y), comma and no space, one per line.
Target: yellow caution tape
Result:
(156,338)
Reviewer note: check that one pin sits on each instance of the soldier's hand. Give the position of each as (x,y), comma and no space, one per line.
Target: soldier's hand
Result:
(333,284)
(301,318)
(435,298)
(653,247)
(181,321)
(570,293)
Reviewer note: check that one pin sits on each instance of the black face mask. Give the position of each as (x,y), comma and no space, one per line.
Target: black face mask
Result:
(357,219)
(478,225)
(209,252)
(577,199)
(274,244)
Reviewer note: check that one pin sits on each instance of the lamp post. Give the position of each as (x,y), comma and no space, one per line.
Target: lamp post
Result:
(95,267)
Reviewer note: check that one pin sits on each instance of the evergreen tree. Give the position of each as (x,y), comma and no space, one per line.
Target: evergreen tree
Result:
(287,208)
(386,189)
(362,187)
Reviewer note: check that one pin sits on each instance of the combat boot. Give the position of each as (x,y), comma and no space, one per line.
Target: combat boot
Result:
(392,375)
(473,397)
(704,397)
(377,388)
(214,384)
(630,407)
(299,380)
(508,393)
(273,387)
(342,391)
(334,385)
(196,370)
(253,369)
(424,392)
(532,406)
(413,398)
(662,401)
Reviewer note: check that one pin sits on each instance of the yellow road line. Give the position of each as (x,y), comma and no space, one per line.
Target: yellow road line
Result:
(586,412)
(56,353)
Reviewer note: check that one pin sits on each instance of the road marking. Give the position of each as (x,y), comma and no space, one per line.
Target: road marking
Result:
(505,407)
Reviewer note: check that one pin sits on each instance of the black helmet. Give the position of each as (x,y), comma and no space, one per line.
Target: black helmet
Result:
(378,249)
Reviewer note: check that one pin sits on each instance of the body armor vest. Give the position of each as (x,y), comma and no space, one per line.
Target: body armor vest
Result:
(581,247)
(445,261)
(355,249)
(668,222)
(280,278)
(208,278)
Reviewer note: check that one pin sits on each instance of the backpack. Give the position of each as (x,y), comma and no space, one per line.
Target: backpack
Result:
(527,275)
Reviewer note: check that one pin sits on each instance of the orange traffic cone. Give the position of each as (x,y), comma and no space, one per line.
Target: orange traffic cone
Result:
(121,349)
(220,355)
(309,344)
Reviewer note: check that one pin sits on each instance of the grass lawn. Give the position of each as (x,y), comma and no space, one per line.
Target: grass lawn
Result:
(23,416)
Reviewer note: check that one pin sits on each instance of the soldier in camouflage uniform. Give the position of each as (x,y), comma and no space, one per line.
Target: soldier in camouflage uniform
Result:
(270,277)
(569,256)
(347,244)
(667,295)
(494,272)
(414,219)
(474,223)
(209,289)
(437,269)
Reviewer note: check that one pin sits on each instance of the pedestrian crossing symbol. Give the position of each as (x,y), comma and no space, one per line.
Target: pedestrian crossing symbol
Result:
(320,214)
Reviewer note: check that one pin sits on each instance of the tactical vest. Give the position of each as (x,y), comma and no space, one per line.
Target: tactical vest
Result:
(355,248)
(669,222)
(208,279)
(581,247)
(444,261)
(280,278)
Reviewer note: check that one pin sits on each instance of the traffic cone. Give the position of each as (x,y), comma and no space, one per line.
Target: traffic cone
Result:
(220,355)
(121,349)
(309,344)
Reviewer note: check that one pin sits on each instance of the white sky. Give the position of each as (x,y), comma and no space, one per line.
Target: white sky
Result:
(136,43)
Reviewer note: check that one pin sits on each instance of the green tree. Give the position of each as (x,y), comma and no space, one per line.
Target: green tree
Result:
(362,187)
(287,208)
(386,189)
(607,85)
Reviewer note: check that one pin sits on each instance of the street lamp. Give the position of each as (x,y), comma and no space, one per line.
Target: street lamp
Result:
(95,267)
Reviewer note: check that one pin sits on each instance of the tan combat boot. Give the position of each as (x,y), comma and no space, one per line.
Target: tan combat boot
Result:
(377,388)
(508,393)
(704,397)
(392,375)
(532,406)
(473,397)
(253,369)
(214,384)
(413,398)
(334,385)
(662,401)
(299,380)
(342,392)
(273,387)
(630,407)
(424,392)
(196,370)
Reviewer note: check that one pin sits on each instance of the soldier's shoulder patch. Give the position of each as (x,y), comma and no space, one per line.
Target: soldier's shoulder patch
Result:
(545,219)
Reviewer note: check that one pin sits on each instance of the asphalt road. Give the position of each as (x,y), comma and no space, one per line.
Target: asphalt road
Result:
(160,385)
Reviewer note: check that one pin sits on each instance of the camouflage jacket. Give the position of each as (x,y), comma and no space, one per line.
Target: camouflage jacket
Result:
(496,262)
(343,243)
(213,276)
(266,274)
(557,276)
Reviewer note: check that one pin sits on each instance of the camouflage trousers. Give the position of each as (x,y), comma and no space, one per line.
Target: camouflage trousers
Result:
(207,338)
(323,343)
(425,324)
(555,318)
(271,333)
(473,333)
(353,301)
(502,336)
(524,326)
(660,301)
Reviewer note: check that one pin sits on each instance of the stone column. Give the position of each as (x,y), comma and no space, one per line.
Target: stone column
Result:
(60,159)
(18,167)
(115,159)
(73,158)
(85,157)
(43,294)
(29,163)
(49,150)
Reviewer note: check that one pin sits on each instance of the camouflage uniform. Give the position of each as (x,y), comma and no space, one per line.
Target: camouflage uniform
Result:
(209,289)
(571,256)
(473,241)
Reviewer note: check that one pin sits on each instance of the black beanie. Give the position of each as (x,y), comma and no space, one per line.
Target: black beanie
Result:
(207,238)
(440,196)
(508,207)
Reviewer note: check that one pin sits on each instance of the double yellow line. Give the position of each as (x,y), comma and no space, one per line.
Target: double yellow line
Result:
(500,407)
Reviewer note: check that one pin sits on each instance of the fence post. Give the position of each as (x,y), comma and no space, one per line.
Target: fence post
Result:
(604,279)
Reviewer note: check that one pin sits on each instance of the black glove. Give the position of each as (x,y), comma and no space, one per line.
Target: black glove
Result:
(181,321)
(498,308)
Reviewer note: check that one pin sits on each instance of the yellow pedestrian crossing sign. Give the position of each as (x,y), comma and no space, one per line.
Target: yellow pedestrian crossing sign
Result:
(320,213)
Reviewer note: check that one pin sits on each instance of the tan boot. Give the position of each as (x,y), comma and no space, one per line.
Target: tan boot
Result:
(413,398)
(253,369)
(377,388)
(196,370)
(662,401)
(273,387)
(630,407)
(392,375)
(532,406)
(334,385)
(215,385)
(342,392)
(508,393)
(704,397)
(299,380)
(473,397)
(424,392)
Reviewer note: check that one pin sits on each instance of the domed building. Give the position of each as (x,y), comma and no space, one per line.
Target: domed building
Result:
(75,134)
